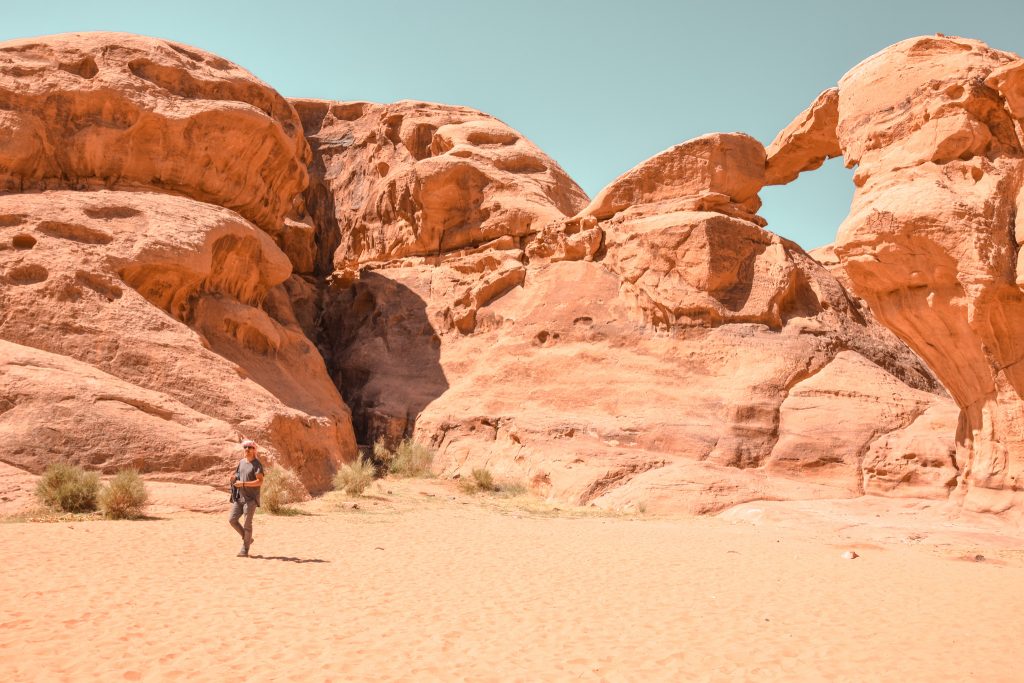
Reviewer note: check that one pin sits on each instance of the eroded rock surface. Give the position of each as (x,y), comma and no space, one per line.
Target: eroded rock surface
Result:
(143,304)
(151,330)
(651,353)
(95,110)
(932,239)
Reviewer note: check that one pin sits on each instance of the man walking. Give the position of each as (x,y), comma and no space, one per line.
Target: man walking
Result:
(245,494)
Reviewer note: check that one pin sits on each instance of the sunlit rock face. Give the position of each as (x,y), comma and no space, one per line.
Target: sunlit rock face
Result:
(932,239)
(654,347)
(187,258)
(143,312)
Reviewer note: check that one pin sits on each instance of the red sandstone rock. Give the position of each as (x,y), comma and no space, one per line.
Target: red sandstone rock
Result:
(414,179)
(114,110)
(807,142)
(151,330)
(645,355)
(929,242)
(656,347)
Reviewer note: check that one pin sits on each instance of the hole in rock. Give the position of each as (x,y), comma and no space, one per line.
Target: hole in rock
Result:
(810,209)
(28,274)
(418,140)
(111,212)
(103,286)
(484,138)
(348,112)
(194,56)
(520,163)
(74,232)
(83,68)
(23,241)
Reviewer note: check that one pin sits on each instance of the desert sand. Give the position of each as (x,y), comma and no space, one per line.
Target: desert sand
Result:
(421,582)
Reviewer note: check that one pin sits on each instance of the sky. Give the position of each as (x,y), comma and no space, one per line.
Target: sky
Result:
(598,85)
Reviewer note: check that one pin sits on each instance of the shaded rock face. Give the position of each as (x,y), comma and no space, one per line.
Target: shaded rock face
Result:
(150,325)
(933,235)
(656,347)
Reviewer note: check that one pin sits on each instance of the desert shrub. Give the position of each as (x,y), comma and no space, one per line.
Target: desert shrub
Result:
(68,487)
(409,459)
(124,496)
(281,487)
(481,480)
(353,478)
(512,488)
(484,480)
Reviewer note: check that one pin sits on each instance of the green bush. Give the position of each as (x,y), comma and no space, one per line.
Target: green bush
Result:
(409,459)
(281,487)
(68,487)
(124,496)
(354,477)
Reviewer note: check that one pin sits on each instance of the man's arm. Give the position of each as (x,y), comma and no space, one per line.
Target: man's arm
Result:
(252,484)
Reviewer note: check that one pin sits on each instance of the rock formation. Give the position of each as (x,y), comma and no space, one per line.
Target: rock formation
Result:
(144,317)
(933,126)
(187,258)
(654,348)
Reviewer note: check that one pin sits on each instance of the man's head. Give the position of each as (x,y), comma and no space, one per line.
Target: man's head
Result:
(249,448)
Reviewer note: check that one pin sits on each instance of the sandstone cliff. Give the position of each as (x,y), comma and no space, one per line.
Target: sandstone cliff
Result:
(143,312)
(655,348)
(932,125)
(187,258)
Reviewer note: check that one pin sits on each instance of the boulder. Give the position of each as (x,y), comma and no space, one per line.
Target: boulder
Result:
(807,142)
(152,330)
(115,110)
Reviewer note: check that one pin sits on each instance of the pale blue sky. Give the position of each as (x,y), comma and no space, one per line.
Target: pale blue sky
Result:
(599,85)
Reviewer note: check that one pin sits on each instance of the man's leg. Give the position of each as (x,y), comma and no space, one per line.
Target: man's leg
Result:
(250,510)
(236,512)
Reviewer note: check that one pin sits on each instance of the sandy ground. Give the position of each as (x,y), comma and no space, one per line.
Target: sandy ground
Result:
(425,584)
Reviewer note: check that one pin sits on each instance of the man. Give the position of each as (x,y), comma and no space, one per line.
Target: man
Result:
(245,494)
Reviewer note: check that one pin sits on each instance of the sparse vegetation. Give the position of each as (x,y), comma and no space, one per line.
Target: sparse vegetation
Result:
(481,480)
(124,496)
(353,478)
(484,480)
(68,488)
(409,459)
(281,487)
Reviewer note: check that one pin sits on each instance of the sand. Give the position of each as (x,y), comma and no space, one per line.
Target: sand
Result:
(446,587)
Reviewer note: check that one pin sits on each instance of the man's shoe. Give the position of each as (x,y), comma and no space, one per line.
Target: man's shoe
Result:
(244,552)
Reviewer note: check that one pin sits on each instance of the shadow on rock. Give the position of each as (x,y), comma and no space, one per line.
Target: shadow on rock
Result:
(384,353)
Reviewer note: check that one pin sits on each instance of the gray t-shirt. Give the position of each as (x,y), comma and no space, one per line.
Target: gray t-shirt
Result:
(247,471)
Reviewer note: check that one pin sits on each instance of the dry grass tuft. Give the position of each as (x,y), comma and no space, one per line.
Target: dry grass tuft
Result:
(281,487)
(483,481)
(353,478)
(409,459)
(124,496)
(68,488)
